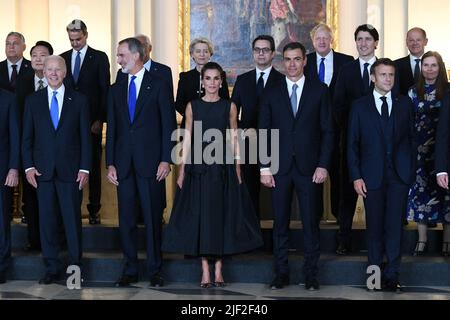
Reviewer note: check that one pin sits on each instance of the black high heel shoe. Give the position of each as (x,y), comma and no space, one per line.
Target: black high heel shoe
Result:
(219,284)
(206,285)
(446,249)
(420,249)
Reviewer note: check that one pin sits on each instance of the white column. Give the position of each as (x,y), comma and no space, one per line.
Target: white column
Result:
(352,13)
(143,14)
(395,26)
(375,17)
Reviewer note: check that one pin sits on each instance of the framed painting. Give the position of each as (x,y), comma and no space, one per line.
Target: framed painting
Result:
(231,25)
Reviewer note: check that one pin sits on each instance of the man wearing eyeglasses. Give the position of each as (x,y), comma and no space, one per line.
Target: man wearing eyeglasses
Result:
(246,94)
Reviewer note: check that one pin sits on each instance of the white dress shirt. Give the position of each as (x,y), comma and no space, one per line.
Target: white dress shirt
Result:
(328,62)
(36,82)
(412,61)
(138,81)
(379,102)
(148,65)
(265,75)
(10,69)
(82,56)
(300,84)
(370,62)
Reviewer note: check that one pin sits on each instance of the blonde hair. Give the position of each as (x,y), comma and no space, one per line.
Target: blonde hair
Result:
(201,40)
(321,26)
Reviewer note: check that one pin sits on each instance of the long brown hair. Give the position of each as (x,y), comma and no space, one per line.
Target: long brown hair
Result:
(441,80)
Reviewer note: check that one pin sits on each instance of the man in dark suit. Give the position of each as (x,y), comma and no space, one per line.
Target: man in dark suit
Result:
(408,68)
(246,94)
(352,83)
(15,65)
(381,161)
(324,64)
(299,109)
(56,149)
(88,72)
(27,85)
(9,172)
(150,65)
(138,156)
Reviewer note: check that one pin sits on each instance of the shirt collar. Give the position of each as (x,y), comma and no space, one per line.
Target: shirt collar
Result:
(413,58)
(327,57)
(18,63)
(148,65)
(377,95)
(299,82)
(266,71)
(60,90)
(371,61)
(139,74)
(83,51)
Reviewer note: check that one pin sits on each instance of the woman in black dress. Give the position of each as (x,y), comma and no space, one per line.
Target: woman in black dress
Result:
(189,85)
(212,215)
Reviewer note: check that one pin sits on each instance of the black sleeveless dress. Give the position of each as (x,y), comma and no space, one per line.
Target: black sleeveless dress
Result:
(212,214)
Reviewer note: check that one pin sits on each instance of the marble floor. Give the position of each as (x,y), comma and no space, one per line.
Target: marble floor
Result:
(31,290)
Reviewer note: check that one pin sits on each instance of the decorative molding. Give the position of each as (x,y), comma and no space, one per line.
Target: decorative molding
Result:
(184,38)
(333,22)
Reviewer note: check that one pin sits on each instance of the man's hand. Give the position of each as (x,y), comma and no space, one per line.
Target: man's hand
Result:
(360,187)
(320,175)
(97,127)
(82,179)
(267,179)
(12,179)
(31,177)
(442,180)
(112,175)
(163,171)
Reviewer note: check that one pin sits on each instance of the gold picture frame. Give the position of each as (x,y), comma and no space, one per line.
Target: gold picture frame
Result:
(184,37)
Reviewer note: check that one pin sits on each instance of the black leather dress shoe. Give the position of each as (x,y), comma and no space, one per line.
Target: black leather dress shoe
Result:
(2,277)
(392,286)
(94,219)
(156,281)
(49,278)
(343,249)
(126,280)
(312,284)
(280,281)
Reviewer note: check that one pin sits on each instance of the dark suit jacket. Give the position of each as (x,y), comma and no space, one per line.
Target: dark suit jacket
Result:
(244,96)
(442,162)
(366,147)
(349,87)
(94,80)
(404,76)
(189,88)
(25,69)
(155,67)
(147,141)
(9,135)
(339,59)
(61,152)
(24,87)
(307,138)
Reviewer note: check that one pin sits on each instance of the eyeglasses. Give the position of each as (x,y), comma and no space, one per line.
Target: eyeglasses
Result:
(263,50)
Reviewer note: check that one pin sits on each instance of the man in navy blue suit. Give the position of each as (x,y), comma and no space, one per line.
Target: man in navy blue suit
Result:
(353,82)
(381,161)
(247,91)
(56,150)
(150,65)
(141,119)
(88,72)
(9,172)
(324,64)
(299,109)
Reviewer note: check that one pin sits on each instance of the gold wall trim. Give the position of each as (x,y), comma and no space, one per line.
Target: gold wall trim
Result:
(332,21)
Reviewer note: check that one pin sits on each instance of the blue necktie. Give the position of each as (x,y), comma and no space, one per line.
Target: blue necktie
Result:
(294,99)
(76,68)
(322,70)
(54,110)
(132,98)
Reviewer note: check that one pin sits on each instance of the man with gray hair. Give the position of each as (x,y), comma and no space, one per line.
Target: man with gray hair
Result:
(150,65)
(56,154)
(15,65)
(138,156)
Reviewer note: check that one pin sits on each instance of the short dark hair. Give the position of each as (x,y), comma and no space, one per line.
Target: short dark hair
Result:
(77,25)
(293,46)
(267,38)
(417,29)
(382,61)
(368,28)
(134,45)
(212,66)
(42,43)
